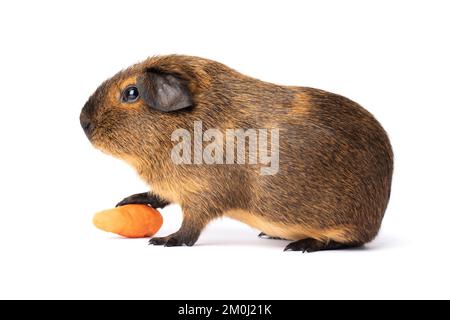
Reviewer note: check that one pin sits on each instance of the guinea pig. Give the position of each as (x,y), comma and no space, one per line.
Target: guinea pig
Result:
(320,175)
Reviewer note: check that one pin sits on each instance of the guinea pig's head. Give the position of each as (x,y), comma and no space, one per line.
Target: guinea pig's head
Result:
(126,114)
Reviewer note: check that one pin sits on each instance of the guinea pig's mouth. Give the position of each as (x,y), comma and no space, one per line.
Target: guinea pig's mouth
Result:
(105,143)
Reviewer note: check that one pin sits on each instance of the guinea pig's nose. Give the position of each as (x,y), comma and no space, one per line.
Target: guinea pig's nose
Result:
(86,124)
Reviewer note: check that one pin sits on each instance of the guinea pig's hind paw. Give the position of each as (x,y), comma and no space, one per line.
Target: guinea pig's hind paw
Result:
(262,235)
(312,245)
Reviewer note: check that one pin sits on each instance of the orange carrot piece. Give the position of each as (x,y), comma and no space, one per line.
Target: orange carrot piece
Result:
(131,221)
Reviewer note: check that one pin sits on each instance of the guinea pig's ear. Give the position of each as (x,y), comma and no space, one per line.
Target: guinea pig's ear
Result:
(164,91)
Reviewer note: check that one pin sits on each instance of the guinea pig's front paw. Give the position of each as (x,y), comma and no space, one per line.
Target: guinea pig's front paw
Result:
(173,240)
(158,241)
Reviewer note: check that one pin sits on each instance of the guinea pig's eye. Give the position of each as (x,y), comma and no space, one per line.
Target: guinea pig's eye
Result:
(130,94)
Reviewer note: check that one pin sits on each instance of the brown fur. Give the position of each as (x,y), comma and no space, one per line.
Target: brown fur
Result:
(336,161)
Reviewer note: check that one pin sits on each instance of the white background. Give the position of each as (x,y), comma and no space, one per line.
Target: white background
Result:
(390,56)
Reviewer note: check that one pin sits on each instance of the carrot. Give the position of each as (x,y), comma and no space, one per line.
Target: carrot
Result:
(131,221)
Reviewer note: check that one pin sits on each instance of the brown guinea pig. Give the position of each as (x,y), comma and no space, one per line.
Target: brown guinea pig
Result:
(308,165)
